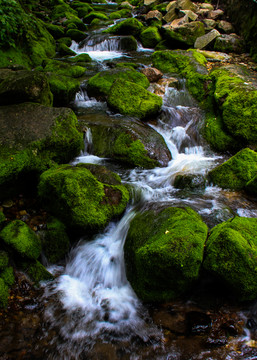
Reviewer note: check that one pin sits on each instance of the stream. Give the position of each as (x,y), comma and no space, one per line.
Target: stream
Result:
(90,311)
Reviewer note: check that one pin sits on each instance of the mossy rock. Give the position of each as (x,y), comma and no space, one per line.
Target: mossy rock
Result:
(115,15)
(184,36)
(81,58)
(95,15)
(190,64)
(29,147)
(64,50)
(76,35)
(2,220)
(219,139)
(21,86)
(63,88)
(36,271)
(235,173)
(164,251)
(128,141)
(4,259)
(251,186)
(132,99)
(190,181)
(20,237)
(128,43)
(84,10)
(150,37)
(231,255)
(65,40)
(4,293)
(79,199)
(101,83)
(55,240)
(126,27)
(56,31)
(63,11)
(229,44)
(8,276)
(76,24)
(62,68)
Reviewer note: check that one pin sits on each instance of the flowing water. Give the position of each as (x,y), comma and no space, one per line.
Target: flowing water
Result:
(90,310)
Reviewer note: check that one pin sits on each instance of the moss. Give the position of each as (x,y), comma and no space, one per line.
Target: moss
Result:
(62,68)
(132,152)
(251,186)
(76,23)
(8,276)
(231,254)
(237,171)
(4,293)
(150,37)
(12,57)
(81,58)
(185,35)
(63,88)
(3,259)
(64,50)
(76,35)
(126,27)
(56,31)
(65,40)
(63,11)
(36,271)
(214,133)
(2,220)
(20,237)
(84,10)
(55,241)
(115,15)
(75,196)
(189,64)
(95,15)
(101,83)
(131,99)
(163,252)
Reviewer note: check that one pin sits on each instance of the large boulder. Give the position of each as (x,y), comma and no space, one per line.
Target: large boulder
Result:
(126,27)
(185,35)
(83,199)
(205,40)
(129,141)
(131,99)
(29,146)
(231,255)
(236,172)
(231,43)
(164,251)
(101,83)
(150,37)
(21,86)
(64,88)
(62,68)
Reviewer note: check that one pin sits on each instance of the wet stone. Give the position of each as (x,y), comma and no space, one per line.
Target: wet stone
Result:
(198,323)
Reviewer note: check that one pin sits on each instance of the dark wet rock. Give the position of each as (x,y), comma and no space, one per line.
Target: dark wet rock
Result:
(225,27)
(129,141)
(198,323)
(231,253)
(163,252)
(21,86)
(229,43)
(91,206)
(152,74)
(190,181)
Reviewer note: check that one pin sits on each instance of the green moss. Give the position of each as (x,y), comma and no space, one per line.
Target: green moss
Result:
(131,99)
(237,171)
(189,64)
(132,152)
(79,199)
(10,57)
(63,88)
(76,23)
(184,35)
(251,186)
(62,68)
(214,133)
(4,293)
(76,35)
(164,251)
(55,241)
(81,58)
(56,31)
(150,37)
(36,271)
(65,40)
(101,83)
(63,11)
(64,50)
(8,276)
(2,219)
(115,15)
(20,237)
(3,260)
(231,254)
(126,27)
(95,15)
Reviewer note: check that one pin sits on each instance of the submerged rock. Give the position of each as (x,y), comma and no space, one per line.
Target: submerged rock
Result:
(76,196)
(237,171)
(231,254)
(164,251)
(129,141)
(131,99)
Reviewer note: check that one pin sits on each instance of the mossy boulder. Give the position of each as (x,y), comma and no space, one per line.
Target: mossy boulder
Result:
(231,255)
(29,147)
(8,276)
(128,141)
(164,251)
(4,293)
(101,83)
(80,59)
(236,172)
(22,239)
(56,31)
(4,259)
(55,241)
(95,15)
(251,186)
(74,195)
(64,88)
(190,64)
(76,35)
(126,27)
(36,271)
(229,44)
(64,50)
(62,68)
(128,43)
(65,40)
(184,36)
(150,37)
(21,86)
(132,99)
